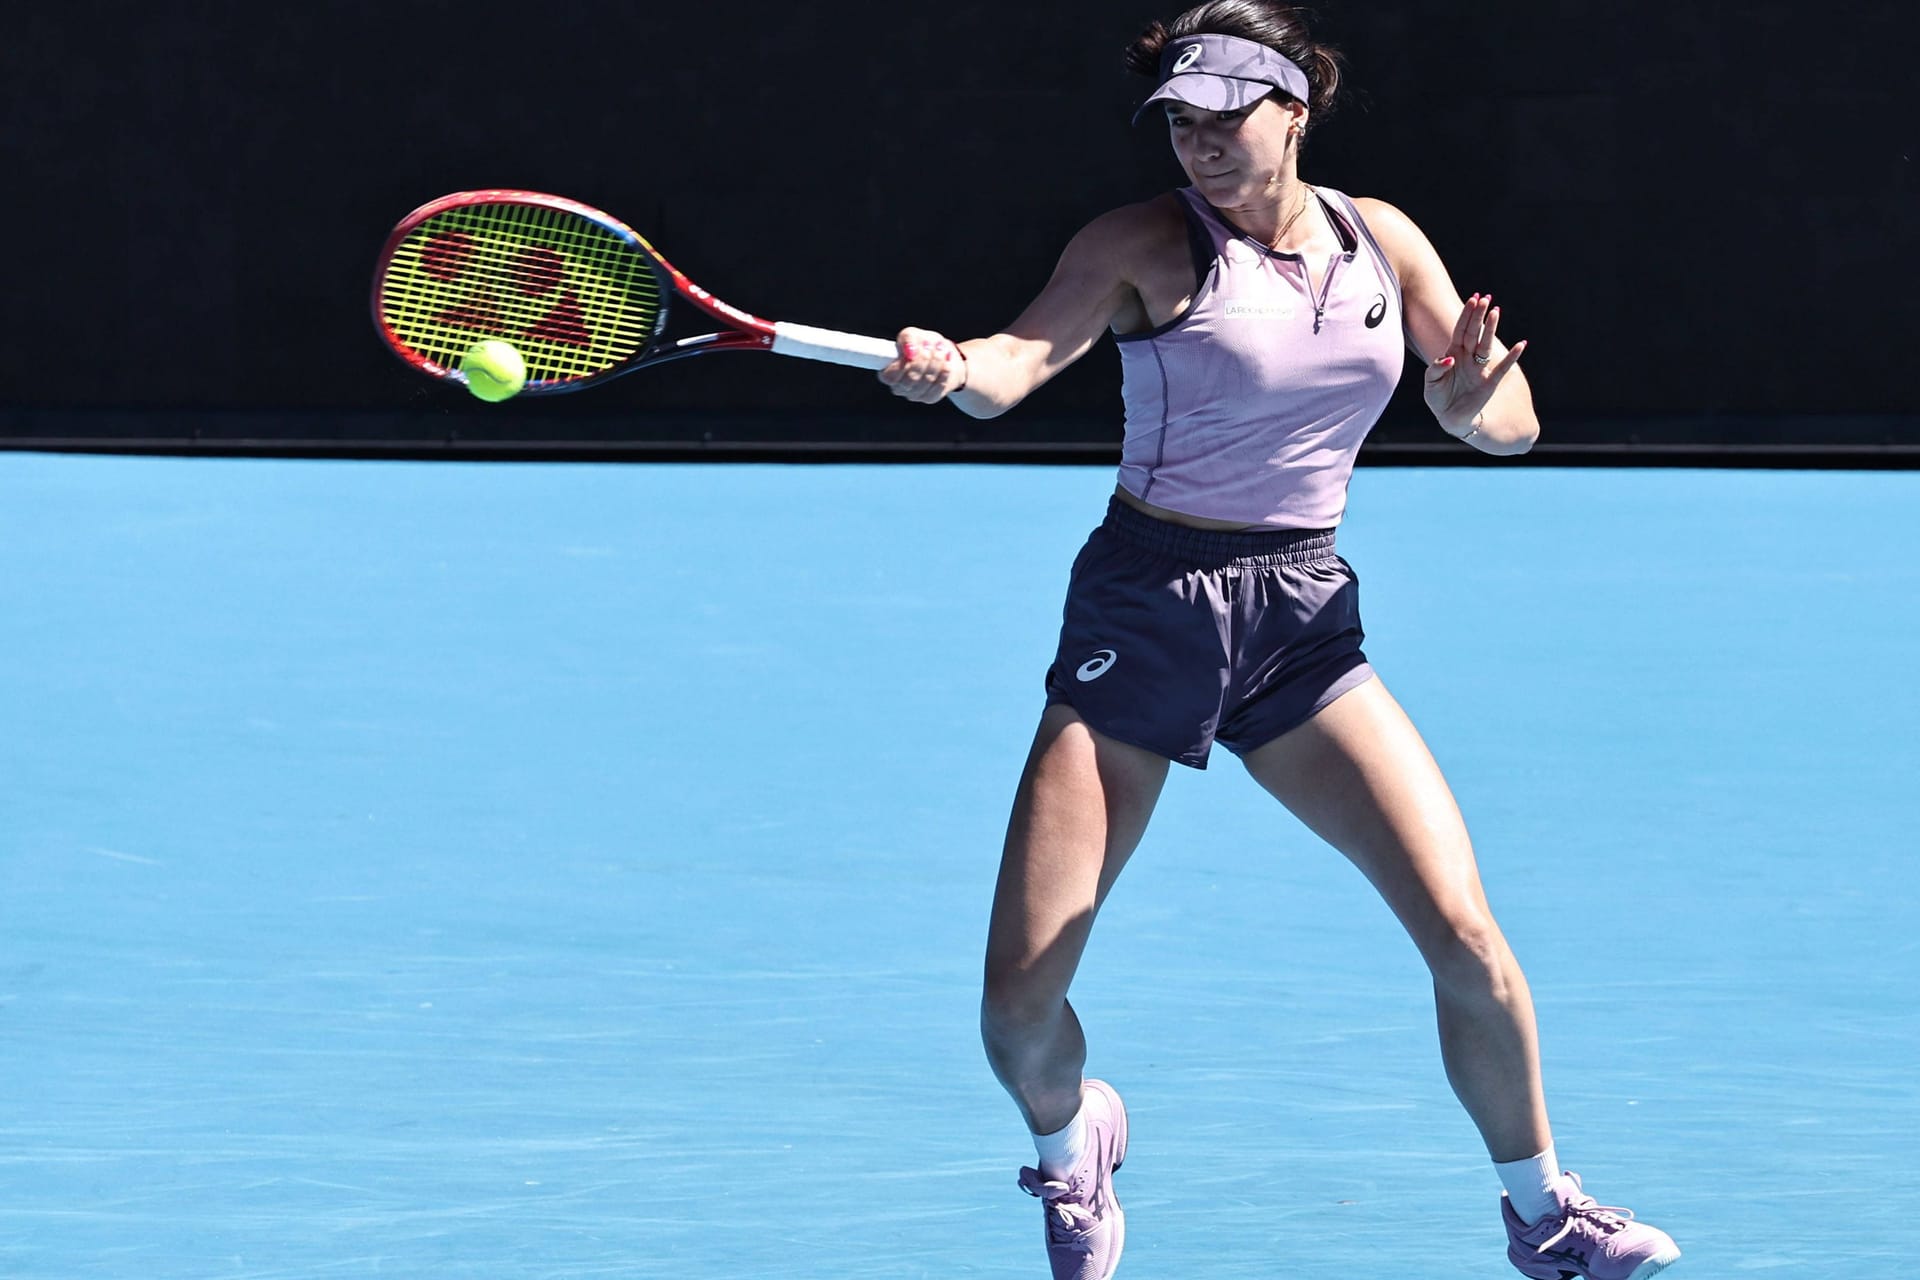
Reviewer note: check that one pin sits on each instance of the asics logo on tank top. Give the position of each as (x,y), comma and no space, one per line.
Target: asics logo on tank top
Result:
(1096,666)
(1377,312)
(1187,58)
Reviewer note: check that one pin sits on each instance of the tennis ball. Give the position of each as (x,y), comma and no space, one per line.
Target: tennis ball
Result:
(494,370)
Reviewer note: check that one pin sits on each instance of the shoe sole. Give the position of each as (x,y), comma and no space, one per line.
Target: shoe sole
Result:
(1654,1266)
(1645,1271)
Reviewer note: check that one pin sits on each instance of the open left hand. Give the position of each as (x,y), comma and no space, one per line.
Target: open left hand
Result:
(1461,380)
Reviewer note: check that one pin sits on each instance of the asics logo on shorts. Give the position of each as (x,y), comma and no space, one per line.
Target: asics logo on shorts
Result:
(1188,57)
(1096,666)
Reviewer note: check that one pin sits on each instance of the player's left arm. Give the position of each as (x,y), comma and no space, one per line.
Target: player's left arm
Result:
(1489,405)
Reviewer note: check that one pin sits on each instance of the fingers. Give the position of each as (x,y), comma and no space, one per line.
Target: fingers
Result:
(1476,338)
(1487,376)
(927,368)
(1457,344)
(1468,342)
(1489,322)
(1498,369)
(1473,331)
(1462,380)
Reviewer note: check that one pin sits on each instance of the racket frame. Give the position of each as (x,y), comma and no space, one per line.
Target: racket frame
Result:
(745,331)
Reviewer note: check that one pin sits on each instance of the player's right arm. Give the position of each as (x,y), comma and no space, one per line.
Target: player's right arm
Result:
(1090,287)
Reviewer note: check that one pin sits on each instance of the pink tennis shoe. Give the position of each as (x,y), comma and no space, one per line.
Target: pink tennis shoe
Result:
(1586,1241)
(1085,1228)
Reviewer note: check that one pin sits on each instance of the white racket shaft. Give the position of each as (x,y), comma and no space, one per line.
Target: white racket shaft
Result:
(808,343)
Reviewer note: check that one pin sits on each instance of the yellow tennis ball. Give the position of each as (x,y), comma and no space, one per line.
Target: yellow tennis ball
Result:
(494,370)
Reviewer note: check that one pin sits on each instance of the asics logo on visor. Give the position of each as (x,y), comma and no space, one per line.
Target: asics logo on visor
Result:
(1096,666)
(1187,59)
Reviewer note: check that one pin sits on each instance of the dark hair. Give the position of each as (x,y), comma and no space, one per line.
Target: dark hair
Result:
(1280,27)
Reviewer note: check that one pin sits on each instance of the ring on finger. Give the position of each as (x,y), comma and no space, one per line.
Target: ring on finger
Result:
(1481,359)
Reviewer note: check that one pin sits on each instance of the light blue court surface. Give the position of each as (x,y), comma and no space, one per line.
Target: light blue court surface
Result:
(560,871)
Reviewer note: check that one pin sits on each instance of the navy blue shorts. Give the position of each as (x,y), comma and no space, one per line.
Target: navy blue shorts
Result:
(1175,637)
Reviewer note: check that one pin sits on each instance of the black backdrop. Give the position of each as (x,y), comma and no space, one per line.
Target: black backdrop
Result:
(1703,215)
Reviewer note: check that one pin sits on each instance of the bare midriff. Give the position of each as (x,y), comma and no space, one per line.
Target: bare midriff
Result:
(1177,517)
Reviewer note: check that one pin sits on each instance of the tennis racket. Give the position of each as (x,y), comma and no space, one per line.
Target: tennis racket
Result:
(580,294)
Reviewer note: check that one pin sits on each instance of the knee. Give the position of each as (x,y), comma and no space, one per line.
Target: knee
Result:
(1014,1005)
(1470,958)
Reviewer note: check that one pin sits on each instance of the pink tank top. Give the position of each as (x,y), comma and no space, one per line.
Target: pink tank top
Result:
(1251,405)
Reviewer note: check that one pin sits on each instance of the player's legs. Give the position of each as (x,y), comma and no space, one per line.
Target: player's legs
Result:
(1360,777)
(1083,804)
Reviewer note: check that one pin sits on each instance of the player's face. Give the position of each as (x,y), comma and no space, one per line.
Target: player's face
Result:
(1234,157)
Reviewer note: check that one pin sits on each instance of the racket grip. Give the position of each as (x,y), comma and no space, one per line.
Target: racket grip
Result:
(808,343)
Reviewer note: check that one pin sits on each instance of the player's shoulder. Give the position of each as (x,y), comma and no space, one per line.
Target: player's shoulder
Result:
(1133,240)
(1129,229)
(1384,219)
(1404,243)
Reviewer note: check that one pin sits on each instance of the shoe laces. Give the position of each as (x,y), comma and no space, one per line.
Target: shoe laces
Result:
(1608,1218)
(1069,1219)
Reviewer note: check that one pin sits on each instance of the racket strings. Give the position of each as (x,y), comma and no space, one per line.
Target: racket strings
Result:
(574,297)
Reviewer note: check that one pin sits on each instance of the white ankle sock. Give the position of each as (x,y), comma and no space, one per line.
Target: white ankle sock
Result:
(1532,1185)
(1061,1151)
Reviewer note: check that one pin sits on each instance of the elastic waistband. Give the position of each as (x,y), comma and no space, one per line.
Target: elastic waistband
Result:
(1214,547)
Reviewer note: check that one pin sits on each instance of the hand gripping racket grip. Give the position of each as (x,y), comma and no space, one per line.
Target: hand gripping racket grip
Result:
(832,346)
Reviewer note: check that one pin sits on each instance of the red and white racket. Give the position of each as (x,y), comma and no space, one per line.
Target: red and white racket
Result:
(580,294)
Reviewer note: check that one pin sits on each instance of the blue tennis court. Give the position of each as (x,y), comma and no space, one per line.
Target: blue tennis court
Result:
(566,871)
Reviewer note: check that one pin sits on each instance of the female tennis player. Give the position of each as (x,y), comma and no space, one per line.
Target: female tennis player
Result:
(1260,322)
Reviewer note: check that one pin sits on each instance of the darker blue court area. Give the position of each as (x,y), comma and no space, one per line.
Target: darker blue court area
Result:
(515,871)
